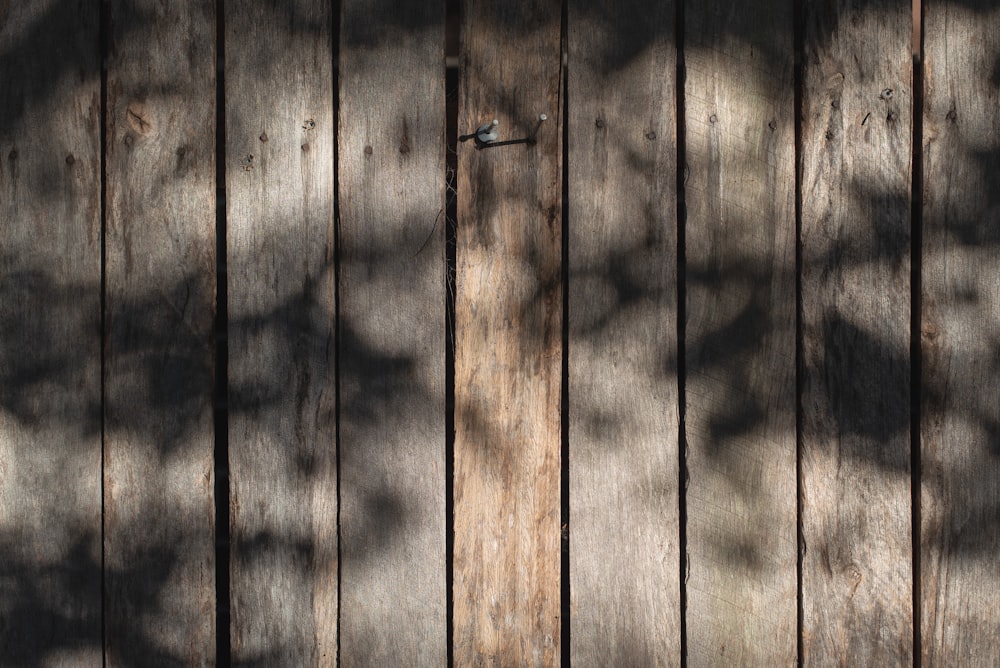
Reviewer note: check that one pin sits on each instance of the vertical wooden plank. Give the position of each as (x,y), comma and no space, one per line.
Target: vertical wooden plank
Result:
(160,298)
(960,415)
(623,403)
(282,397)
(855,458)
(50,356)
(392,338)
(740,334)
(508,352)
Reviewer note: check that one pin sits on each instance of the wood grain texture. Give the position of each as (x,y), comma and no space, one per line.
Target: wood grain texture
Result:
(623,399)
(508,352)
(160,301)
(391,149)
(50,339)
(855,457)
(960,415)
(282,348)
(740,334)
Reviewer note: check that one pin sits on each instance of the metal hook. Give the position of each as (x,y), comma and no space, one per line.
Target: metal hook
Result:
(486,135)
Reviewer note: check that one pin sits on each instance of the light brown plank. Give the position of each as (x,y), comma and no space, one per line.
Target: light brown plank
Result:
(740,334)
(855,458)
(508,352)
(392,334)
(960,414)
(282,385)
(623,398)
(160,299)
(50,339)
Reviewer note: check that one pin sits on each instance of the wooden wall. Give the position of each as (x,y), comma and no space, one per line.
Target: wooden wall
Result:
(701,369)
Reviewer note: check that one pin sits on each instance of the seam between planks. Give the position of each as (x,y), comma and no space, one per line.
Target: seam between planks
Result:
(798,48)
(335,23)
(916,287)
(565,583)
(681,179)
(223,642)
(450,259)
(103,30)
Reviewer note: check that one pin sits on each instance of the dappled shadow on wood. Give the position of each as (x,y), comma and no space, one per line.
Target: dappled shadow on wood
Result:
(168,366)
(50,609)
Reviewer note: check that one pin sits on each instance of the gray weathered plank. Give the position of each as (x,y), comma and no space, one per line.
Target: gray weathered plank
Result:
(508,340)
(740,334)
(960,414)
(623,399)
(50,342)
(282,385)
(391,158)
(855,457)
(160,298)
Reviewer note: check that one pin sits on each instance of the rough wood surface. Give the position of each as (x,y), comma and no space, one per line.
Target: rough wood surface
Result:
(282,348)
(160,298)
(740,335)
(855,457)
(623,410)
(50,339)
(960,413)
(508,353)
(391,157)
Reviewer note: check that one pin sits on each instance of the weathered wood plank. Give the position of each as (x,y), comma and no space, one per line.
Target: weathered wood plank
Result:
(855,457)
(50,341)
(623,399)
(508,340)
(740,334)
(282,384)
(160,298)
(392,334)
(960,415)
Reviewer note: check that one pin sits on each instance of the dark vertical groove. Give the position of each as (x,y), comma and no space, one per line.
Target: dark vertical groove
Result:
(450,242)
(564,509)
(682,170)
(916,288)
(334,27)
(223,649)
(798,20)
(450,257)
(104,19)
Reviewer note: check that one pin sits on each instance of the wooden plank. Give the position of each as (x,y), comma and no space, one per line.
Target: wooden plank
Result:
(282,349)
(960,416)
(740,334)
(160,302)
(855,447)
(623,393)
(50,344)
(392,334)
(508,353)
